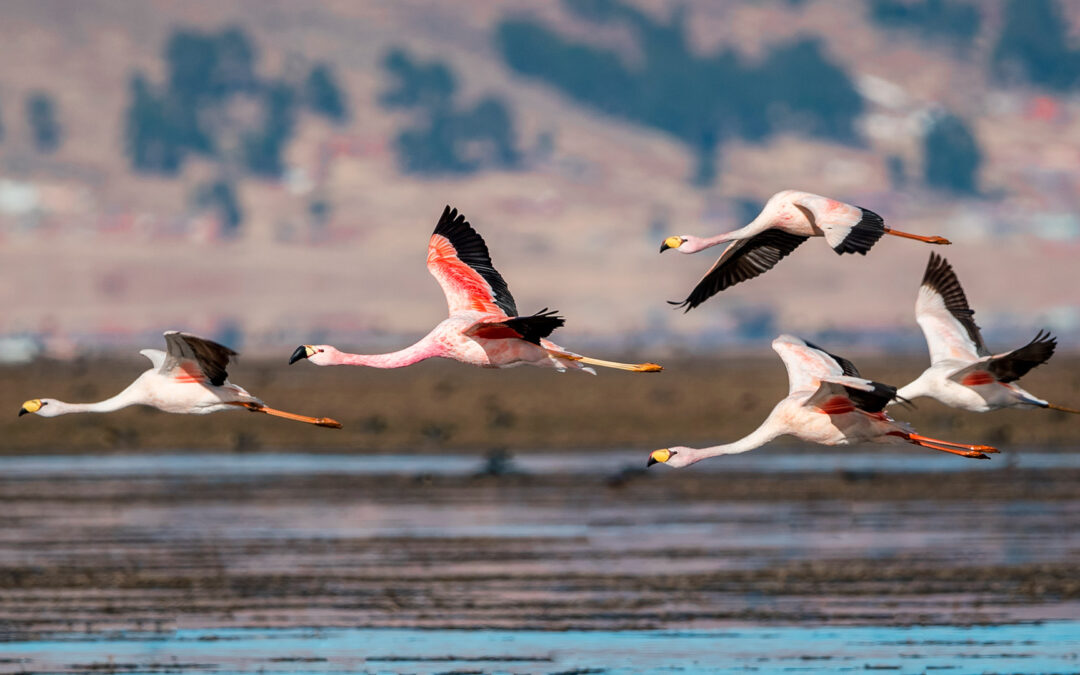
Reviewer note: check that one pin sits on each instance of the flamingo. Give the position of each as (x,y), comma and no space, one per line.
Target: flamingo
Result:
(789,218)
(189,377)
(484,327)
(963,373)
(828,402)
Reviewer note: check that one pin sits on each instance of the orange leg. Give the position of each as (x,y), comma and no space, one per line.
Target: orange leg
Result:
(633,367)
(1062,408)
(317,421)
(966,446)
(917,237)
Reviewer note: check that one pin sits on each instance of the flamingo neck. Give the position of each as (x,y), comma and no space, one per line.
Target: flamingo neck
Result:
(121,400)
(404,357)
(756,439)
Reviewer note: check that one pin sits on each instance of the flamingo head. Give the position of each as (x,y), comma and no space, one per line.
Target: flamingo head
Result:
(677,457)
(40,406)
(320,355)
(683,243)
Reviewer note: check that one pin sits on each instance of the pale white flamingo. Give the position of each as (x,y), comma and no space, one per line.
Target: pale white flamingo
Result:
(484,328)
(789,218)
(963,373)
(188,378)
(828,402)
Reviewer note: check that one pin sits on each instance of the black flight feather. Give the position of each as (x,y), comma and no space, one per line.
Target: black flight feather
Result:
(472,251)
(941,278)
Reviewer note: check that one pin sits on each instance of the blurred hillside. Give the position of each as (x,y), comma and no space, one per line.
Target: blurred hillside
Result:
(268,173)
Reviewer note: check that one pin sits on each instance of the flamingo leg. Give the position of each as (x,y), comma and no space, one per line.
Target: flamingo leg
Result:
(633,367)
(317,421)
(917,237)
(1062,408)
(967,446)
(962,449)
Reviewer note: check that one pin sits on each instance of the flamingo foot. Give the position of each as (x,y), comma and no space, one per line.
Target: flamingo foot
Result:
(632,367)
(1051,406)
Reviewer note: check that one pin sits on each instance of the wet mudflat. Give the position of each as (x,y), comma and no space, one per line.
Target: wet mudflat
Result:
(295,563)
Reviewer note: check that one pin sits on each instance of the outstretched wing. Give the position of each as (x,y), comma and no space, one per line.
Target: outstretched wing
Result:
(742,260)
(1010,366)
(458,258)
(944,315)
(190,358)
(839,395)
(847,228)
(529,328)
(808,364)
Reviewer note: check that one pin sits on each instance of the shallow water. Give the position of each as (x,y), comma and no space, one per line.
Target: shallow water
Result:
(254,465)
(1051,647)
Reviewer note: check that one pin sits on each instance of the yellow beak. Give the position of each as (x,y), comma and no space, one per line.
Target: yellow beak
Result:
(659,456)
(671,242)
(31,406)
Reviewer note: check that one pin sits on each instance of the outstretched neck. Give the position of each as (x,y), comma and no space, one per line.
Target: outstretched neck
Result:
(425,349)
(759,437)
(121,400)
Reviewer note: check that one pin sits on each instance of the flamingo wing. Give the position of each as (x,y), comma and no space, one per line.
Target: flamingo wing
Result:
(458,259)
(743,259)
(944,315)
(847,228)
(529,328)
(190,358)
(839,395)
(807,364)
(1010,366)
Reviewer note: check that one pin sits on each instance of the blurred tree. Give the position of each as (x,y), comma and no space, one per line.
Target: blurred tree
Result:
(951,155)
(444,139)
(151,142)
(220,196)
(262,150)
(1033,46)
(323,94)
(700,100)
(950,20)
(44,127)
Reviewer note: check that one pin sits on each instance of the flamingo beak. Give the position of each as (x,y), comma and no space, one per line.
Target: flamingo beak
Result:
(658,456)
(302,352)
(671,242)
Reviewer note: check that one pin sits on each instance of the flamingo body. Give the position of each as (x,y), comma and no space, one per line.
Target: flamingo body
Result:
(484,328)
(828,403)
(963,373)
(189,378)
(788,219)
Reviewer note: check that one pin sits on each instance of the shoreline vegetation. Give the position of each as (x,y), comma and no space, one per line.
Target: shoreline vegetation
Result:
(438,406)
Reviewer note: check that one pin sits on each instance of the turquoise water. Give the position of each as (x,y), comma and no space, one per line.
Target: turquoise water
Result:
(1051,647)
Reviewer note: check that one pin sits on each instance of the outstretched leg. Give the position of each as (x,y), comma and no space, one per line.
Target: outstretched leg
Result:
(962,449)
(317,421)
(917,237)
(1051,406)
(633,367)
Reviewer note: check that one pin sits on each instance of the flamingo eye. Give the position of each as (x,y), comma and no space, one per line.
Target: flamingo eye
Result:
(321,351)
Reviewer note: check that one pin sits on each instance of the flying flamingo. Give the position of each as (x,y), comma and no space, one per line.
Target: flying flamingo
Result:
(188,378)
(789,218)
(963,373)
(828,402)
(484,328)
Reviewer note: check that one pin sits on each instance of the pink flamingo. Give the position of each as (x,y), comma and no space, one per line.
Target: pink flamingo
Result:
(828,402)
(484,328)
(789,218)
(188,378)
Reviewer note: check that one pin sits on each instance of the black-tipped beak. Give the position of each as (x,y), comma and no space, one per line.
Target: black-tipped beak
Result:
(652,460)
(664,247)
(300,353)
(23,411)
